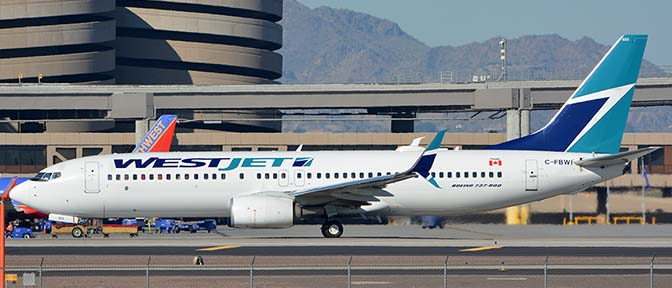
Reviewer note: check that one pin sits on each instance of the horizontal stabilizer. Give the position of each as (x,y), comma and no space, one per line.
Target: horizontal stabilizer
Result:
(614,159)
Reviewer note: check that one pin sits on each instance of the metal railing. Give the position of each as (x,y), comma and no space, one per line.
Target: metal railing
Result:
(342,275)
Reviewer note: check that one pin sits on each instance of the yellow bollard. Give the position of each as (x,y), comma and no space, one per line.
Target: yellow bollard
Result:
(513,215)
(524,214)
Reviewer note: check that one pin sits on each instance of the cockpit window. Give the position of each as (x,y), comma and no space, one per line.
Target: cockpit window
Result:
(38,177)
(45,176)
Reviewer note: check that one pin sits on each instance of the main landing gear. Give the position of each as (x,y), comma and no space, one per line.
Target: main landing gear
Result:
(332,229)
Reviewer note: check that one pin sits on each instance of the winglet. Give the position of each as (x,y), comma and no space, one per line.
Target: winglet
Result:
(436,142)
(426,159)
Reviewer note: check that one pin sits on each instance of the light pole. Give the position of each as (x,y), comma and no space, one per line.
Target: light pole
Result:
(502,58)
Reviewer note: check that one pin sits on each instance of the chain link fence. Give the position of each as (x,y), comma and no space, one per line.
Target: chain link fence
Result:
(362,271)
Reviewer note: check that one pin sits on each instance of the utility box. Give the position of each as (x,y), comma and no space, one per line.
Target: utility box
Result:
(29,280)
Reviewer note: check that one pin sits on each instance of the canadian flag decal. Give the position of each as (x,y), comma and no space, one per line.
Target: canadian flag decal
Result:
(495,162)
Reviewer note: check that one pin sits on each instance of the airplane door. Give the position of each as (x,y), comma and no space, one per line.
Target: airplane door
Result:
(299,179)
(531,177)
(284,178)
(91,177)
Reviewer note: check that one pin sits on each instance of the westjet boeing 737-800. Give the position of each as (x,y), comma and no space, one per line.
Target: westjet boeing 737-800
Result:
(578,148)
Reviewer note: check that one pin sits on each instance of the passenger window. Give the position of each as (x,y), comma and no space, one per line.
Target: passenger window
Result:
(491,174)
(241,175)
(151,176)
(319,175)
(177,176)
(482,174)
(167,176)
(353,175)
(195,176)
(433,174)
(310,175)
(466,174)
(159,176)
(380,174)
(389,173)
(142,177)
(457,174)
(127,177)
(326,175)
(370,174)
(499,174)
(186,176)
(205,176)
(135,177)
(335,175)
(283,175)
(474,174)
(258,175)
(361,174)
(298,175)
(275,175)
(449,174)
(267,176)
(214,176)
(345,175)
(222,176)
(440,174)
(109,177)
(118,177)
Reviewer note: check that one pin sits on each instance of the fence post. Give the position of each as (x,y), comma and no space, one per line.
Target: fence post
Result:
(546,272)
(252,271)
(149,259)
(651,272)
(39,277)
(445,273)
(349,273)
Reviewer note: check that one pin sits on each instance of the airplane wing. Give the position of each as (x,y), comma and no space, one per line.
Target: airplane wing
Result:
(618,158)
(359,192)
(159,137)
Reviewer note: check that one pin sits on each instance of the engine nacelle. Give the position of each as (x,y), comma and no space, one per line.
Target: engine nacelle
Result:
(262,211)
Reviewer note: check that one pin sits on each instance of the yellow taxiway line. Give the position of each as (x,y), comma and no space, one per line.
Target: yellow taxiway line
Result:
(482,248)
(218,248)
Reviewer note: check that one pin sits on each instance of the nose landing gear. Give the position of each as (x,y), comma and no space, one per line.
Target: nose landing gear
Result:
(332,229)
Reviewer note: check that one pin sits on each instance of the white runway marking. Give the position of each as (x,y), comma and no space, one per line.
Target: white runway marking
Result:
(506,279)
(370,283)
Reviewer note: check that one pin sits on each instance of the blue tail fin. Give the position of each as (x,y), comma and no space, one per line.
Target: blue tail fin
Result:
(593,119)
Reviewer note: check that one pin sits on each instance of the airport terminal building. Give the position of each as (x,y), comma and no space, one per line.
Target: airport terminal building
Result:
(140,42)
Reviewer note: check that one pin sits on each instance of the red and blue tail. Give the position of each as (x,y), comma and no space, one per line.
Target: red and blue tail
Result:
(159,137)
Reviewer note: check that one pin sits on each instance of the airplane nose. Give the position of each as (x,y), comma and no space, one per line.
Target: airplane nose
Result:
(19,194)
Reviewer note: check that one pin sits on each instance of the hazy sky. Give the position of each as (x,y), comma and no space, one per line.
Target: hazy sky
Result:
(448,22)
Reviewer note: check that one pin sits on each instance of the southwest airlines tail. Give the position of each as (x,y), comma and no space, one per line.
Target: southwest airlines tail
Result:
(593,119)
(159,137)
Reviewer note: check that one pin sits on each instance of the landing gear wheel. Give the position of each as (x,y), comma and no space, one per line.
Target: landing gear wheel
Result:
(77,232)
(332,229)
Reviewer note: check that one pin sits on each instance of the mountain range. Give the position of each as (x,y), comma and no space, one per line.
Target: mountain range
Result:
(327,45)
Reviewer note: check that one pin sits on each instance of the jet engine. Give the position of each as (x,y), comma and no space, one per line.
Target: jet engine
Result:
(262,211)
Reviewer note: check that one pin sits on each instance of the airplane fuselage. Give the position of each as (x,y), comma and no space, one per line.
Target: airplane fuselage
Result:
(202,184)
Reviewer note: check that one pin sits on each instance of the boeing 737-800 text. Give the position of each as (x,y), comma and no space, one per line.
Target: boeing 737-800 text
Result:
(578,148)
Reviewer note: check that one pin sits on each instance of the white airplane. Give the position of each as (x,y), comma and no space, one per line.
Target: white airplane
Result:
(578,148)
